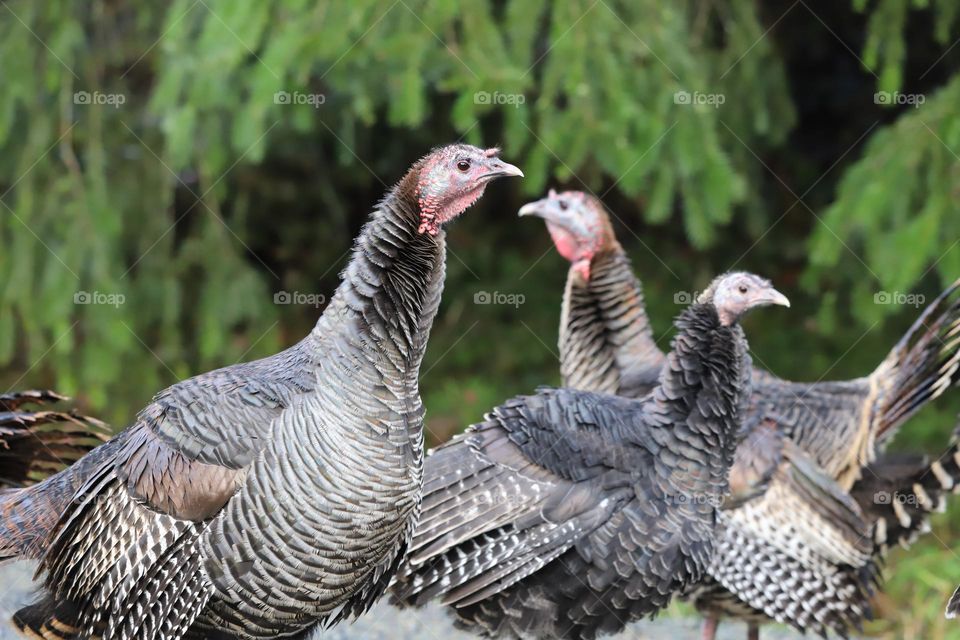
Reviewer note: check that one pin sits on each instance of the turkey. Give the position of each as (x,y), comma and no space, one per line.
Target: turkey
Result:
(606,342)
(265,498)
(567,514)
(34,444)
(792,527)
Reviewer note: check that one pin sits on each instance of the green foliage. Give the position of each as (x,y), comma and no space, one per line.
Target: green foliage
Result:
(228,150)
(878,214)
(885,49)
(127,199)
(899,199)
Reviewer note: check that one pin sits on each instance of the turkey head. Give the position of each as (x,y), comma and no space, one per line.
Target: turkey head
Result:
(452,178)
(578,224)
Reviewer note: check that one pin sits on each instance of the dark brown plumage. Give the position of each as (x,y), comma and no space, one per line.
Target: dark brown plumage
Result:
(791,528)
(262,499)
(567,514)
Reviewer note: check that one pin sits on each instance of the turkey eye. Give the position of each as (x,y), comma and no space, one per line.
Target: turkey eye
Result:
(743,288)
(463,165)
(563,205)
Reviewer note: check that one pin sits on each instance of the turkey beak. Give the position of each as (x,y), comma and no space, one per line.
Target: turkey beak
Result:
(771,296)
(536,208)
(549,209)
(497,168)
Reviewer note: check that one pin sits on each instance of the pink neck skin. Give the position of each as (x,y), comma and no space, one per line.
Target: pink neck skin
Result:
(568,247)
(434,212)
(727,318)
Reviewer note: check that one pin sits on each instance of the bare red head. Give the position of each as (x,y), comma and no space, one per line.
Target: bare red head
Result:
(578,224)
(452,178)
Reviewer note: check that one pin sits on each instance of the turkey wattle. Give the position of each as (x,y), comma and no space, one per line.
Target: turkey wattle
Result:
(258,500)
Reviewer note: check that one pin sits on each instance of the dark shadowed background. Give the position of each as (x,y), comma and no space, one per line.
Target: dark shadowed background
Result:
(180,183)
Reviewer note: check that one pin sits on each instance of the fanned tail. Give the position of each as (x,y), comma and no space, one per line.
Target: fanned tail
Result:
(49,620)
(922,365)
(29,515)
(37,444)
(898,492)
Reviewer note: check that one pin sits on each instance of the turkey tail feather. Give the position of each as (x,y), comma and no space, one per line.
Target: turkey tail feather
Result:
(898,493)
(922,365)
(48,620)
(10,546)
(37,444)
(953,607)
(35,447)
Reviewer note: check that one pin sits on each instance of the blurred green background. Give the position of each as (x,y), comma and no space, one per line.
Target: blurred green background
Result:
(182,163)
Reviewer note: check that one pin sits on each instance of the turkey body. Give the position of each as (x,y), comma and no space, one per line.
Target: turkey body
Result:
(567,514)
(800,539)
(261,499)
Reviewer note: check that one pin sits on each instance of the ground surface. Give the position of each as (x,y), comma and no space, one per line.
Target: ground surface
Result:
(387,623)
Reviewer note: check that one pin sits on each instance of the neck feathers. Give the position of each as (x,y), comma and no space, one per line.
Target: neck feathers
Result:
(391,287)
(606,344)
(704,371)
(702,388)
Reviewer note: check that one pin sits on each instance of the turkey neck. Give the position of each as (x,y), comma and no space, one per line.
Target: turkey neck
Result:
(605,335)
(703,385)
(381,314)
